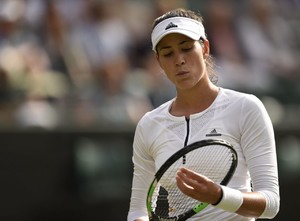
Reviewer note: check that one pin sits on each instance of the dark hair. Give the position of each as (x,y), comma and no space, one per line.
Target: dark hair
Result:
(181,12)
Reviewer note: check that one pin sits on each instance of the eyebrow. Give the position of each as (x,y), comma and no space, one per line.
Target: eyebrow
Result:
(168,47)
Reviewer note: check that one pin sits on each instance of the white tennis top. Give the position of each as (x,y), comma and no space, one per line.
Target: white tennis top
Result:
(238,118)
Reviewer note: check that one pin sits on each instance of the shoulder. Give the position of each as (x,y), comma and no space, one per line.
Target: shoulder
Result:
(242,104)
(249,107)
(151,124)
(235,94)
(241,97)
(156,115)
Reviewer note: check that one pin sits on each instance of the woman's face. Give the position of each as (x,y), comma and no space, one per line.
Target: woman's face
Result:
(182,59)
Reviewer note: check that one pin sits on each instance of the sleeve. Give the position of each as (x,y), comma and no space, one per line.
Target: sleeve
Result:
(143,174)
(258,143)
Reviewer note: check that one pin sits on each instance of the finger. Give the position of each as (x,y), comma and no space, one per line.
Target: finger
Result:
(189,188)
(196,183)
(191,183)
(187,180)
(190,176)
(190,173)
(183,186)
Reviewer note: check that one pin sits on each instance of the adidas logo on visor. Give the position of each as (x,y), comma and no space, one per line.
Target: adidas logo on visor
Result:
(171,25)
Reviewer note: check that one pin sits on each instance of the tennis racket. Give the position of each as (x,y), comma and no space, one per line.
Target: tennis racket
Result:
(213,158)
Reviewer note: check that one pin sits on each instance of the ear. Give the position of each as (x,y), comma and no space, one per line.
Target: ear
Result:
(206,48)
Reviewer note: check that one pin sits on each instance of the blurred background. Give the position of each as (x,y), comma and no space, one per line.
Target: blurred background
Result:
(77,75)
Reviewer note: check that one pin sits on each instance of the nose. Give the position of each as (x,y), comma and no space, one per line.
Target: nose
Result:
(179,59)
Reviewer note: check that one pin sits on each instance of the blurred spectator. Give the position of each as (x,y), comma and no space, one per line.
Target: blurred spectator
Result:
(43,87)
(13,29)
(100,36)
(6,100)
(102,40)
(109,100)
(268,40)
(152,81)
(220,22)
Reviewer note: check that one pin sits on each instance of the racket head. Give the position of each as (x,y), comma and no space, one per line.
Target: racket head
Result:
(214,158)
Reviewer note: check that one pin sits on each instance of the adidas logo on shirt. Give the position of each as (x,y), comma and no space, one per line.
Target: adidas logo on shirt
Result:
(171,25)
(213,133)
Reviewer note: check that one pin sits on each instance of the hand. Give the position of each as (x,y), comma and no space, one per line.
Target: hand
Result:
(198,186)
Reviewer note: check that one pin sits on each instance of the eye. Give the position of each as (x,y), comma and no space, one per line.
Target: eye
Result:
(186,49)
(167,54)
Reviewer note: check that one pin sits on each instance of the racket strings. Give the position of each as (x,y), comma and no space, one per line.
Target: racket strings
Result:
(211,161)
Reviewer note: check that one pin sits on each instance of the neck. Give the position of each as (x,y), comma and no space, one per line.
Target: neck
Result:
(194,101)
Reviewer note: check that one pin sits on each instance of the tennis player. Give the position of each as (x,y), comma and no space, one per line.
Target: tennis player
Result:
(201,110)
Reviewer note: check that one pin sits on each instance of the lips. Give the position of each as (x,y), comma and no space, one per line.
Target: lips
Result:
(182,73)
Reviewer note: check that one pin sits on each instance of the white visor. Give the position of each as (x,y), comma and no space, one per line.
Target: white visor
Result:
(182,25)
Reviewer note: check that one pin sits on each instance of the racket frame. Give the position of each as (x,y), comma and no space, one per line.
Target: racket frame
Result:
(173,158)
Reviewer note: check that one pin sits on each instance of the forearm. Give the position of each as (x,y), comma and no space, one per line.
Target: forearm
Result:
(253,205)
